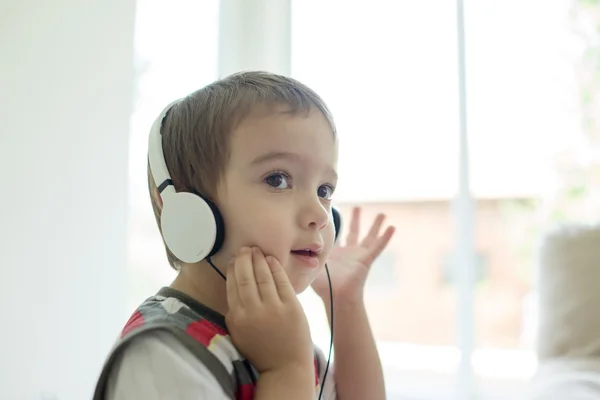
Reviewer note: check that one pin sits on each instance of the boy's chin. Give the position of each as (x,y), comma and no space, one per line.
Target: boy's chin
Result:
(300,279)
(300,287)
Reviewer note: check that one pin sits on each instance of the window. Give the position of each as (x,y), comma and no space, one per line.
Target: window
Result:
(382,276)
(388,71)
(448,269)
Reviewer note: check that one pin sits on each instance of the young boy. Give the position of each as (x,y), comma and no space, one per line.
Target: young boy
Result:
(261,150)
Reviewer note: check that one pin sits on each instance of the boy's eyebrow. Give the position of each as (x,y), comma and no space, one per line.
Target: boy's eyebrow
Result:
(275,155)
(283,155)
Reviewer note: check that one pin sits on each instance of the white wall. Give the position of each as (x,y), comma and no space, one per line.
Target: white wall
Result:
(66,83)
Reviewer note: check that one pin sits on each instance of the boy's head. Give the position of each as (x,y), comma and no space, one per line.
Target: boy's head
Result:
(263,148)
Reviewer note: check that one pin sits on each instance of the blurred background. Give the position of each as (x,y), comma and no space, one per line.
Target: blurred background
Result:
(451,301)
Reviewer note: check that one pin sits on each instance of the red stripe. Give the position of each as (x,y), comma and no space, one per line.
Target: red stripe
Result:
(245,392)
(135,321)
(203,331)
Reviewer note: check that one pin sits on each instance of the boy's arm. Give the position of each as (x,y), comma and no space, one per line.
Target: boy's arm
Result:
(292,383)
(358,372)
(157,366)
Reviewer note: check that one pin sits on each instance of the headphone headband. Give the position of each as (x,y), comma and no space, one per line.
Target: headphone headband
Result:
(156,157)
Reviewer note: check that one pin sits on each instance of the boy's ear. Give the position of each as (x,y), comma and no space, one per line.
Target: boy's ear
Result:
(157,198)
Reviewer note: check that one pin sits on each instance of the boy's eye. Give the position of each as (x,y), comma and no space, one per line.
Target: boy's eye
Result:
(277,181)
(325,191)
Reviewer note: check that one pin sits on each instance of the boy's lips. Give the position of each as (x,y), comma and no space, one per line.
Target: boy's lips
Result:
(314,248)
(309,255)
(306,259)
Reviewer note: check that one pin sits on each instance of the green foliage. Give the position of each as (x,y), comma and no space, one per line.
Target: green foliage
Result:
(588,3)
(578,181)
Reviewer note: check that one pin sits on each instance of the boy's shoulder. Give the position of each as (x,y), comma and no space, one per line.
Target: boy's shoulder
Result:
(169,309)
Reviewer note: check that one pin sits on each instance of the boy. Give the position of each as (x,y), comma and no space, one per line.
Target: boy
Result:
(261,150)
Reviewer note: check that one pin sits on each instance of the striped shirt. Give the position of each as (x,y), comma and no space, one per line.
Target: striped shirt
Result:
(162,358)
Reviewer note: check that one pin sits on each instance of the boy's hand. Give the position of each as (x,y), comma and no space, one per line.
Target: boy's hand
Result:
(265,320)
(349,265)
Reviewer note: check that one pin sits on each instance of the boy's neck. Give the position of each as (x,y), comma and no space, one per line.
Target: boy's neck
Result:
(204,285)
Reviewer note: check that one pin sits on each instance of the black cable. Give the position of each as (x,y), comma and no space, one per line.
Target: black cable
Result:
(331,330)
(215,268)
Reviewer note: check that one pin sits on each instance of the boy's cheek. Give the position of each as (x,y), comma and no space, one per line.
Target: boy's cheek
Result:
(329,238)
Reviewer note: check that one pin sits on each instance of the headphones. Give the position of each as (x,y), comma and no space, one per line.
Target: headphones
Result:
(192,226)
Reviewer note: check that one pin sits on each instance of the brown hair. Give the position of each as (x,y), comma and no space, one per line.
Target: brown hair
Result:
(196,131)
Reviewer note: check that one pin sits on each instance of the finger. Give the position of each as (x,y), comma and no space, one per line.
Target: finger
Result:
(263,276)
(233,299)
(352,238)
(379,245)
(282,283)
(373,234)
(244,275)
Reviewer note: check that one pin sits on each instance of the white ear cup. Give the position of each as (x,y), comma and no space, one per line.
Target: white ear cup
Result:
(188,226)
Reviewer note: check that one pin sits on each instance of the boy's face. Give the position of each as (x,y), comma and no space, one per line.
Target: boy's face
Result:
(276,191)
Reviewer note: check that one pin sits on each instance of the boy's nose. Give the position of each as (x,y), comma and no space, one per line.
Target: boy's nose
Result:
(315,216)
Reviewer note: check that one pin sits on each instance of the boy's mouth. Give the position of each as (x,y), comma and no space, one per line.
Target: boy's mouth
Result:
(309,256)
(305,252)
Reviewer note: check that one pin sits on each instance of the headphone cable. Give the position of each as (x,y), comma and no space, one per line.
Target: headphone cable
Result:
(331,331)
(215,268)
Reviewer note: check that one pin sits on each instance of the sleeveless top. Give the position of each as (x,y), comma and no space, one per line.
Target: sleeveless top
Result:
(201,330)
